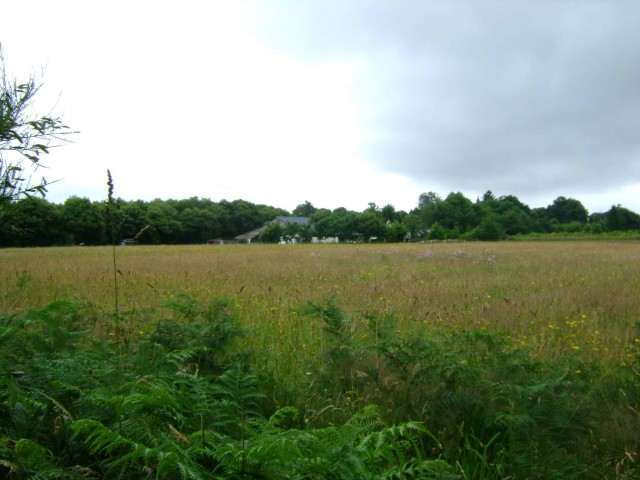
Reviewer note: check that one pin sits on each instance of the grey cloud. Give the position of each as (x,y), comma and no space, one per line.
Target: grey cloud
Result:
(524,97)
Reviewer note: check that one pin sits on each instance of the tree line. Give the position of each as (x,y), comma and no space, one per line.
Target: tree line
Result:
(37,222)
(33,221)
(28,220)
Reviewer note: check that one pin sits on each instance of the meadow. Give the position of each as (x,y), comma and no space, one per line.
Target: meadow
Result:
(518,357)
(550,297)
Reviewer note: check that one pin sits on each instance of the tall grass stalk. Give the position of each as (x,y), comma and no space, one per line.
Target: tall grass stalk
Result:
(110,208)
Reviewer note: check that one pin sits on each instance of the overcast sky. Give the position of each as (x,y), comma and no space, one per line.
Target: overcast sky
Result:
(338,103)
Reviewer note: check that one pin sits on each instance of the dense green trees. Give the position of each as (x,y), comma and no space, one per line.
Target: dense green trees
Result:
(31,222)
(494,217)
(370,225)
(164,219)
(567,210)
(616,218)
(36,222)
(305,209)
(513,216)
(82,221)
(130,217)
(272,233)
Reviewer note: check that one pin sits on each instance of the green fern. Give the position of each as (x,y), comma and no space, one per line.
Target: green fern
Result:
(178,405)
(152,398)
(27,419)
(238,399)
(207,338)
(28,459)
(167,457)
(58,326)
(335,320)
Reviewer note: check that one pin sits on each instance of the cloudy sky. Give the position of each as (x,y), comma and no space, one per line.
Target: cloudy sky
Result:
(338,103)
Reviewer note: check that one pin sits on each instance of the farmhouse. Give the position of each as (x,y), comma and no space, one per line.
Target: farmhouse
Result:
(285,223)
(251,236)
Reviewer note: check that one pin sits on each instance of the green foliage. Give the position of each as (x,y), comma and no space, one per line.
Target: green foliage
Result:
(396,232)
(305,209)
(456,212)
(167,455)
(566,210)
(336,325)
(428,204)
(272,233)
(163,218)
(182,402)
(206,339)
(437,232)
(495,411)
(361,448)
(30,222)
(292,231)
(239,401)
(24,138)
(196,220)
(151,411)
(488,230)
(370,224)
(83,221)
(618,218)
(57,325)
(245,216)
(513,216)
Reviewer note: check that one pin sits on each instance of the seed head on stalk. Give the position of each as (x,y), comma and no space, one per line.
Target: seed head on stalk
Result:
(109,211)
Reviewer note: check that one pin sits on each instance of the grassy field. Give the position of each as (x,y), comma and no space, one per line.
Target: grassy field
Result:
(522,359)
(551,297)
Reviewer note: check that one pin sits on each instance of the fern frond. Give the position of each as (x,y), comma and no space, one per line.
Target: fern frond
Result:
(7,331)
(351,467)
(31,460)
(26,418)
(335,320)
(282,416)
(239,388)
(138,428)
(183,305)
(423,470)
(59,405)
(168,457)
(101,439)
(152,396)
(379,440)
(367,420)
(180,357)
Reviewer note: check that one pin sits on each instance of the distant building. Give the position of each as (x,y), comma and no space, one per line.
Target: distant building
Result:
(284,221)
(222,241)
(251,236)
(254,235)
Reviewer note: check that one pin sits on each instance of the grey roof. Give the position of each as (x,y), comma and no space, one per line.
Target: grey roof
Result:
(281,219)
(300,220)
(250,235)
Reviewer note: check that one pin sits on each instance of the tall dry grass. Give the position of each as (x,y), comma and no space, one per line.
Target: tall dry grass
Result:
(551,297)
